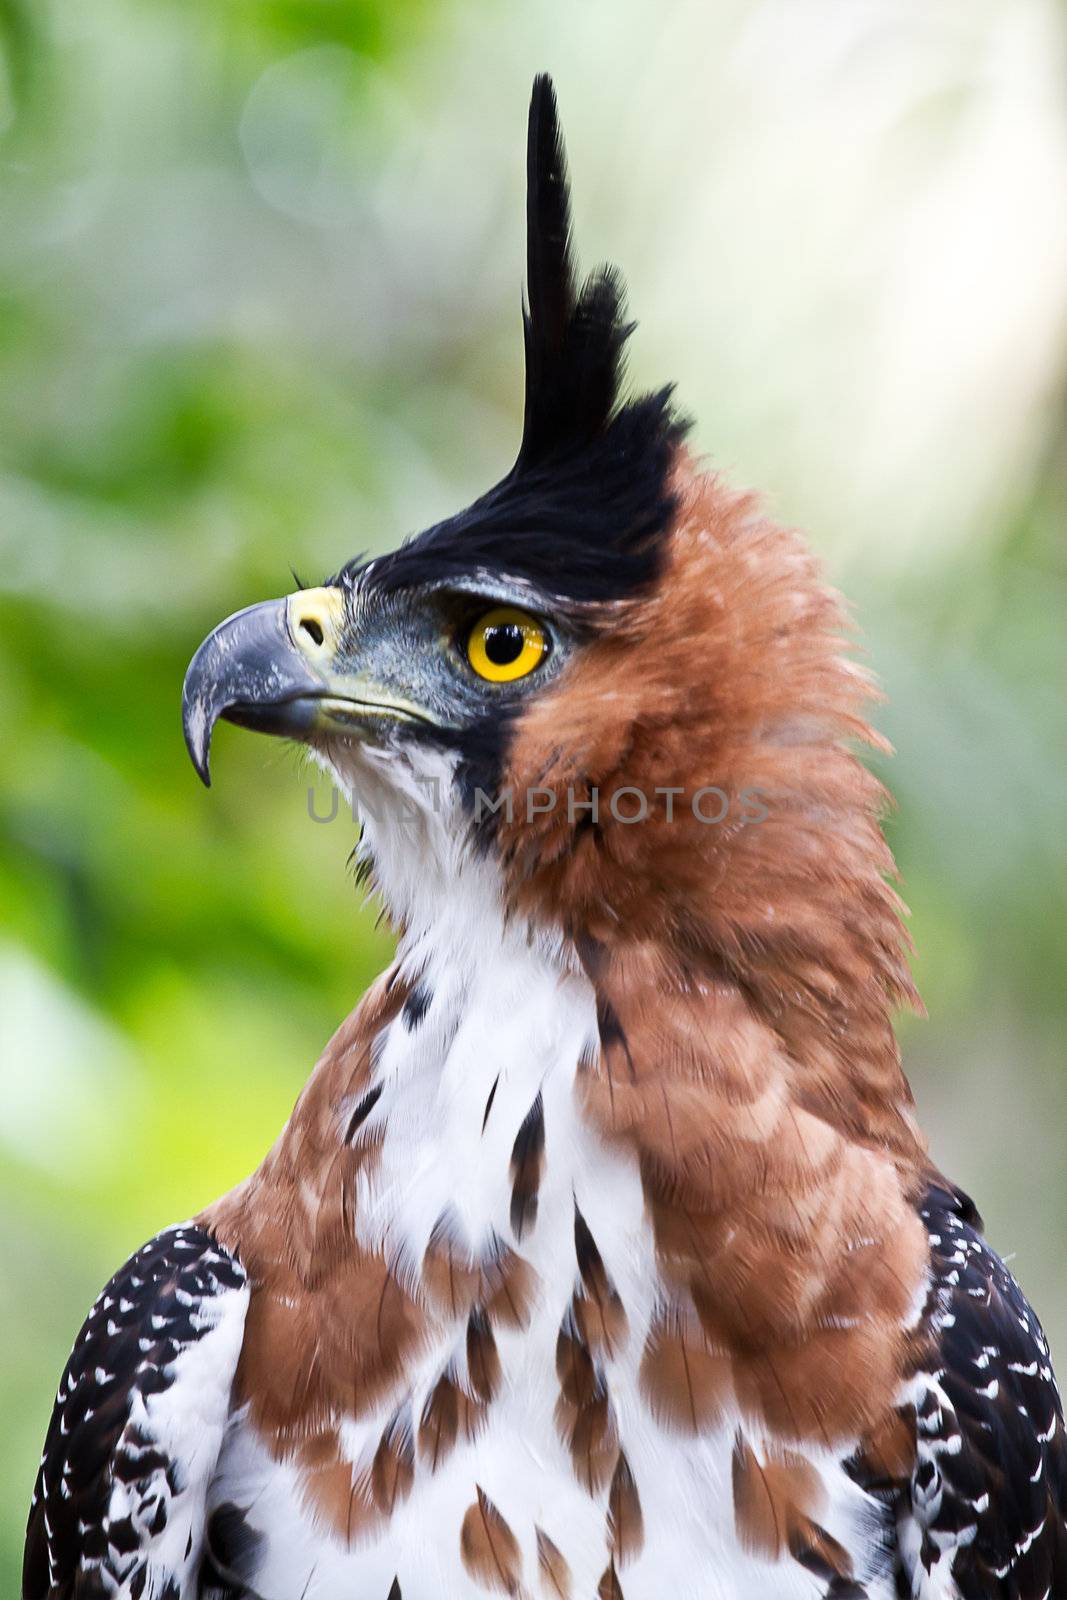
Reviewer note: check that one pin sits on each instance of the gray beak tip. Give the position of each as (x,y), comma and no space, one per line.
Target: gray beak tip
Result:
(197,727)
(248,671)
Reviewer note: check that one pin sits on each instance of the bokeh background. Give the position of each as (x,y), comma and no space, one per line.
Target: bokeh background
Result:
(260,269)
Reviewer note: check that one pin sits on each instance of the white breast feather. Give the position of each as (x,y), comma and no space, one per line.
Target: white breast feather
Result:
(509,1009)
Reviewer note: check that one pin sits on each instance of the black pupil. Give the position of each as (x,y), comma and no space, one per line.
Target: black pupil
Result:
(503,643)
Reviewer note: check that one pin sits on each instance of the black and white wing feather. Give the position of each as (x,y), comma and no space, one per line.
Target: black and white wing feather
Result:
(119,1506)
(985,1515)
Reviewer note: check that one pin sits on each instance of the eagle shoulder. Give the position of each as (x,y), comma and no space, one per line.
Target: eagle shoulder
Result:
(985,1514)
(119,1504)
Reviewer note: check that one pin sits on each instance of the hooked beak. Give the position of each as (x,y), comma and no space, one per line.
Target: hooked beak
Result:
(273,667)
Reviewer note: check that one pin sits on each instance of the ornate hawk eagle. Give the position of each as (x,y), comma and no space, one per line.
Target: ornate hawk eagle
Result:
(602,1254)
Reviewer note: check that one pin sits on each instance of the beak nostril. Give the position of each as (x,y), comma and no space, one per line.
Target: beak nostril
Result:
(314,621)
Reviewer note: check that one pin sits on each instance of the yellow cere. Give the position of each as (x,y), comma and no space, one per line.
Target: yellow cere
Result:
(506,644)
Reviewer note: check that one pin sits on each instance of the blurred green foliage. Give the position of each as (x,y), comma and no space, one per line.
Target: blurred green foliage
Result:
(258,306)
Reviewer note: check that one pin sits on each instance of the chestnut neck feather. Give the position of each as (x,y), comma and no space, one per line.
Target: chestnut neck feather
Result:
(732,671)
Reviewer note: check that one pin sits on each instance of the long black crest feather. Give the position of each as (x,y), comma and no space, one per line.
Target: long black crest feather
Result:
(549,265)
(574,339)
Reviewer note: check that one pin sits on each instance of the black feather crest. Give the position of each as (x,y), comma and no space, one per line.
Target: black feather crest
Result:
(584,511)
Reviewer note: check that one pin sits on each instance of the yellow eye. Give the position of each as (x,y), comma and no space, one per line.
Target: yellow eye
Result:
(506,644)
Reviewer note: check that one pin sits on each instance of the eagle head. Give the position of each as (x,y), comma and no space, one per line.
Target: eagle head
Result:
(610,684)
